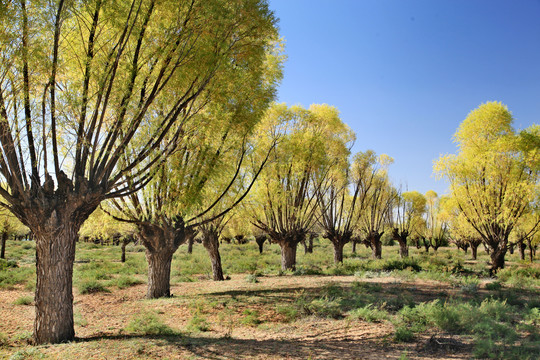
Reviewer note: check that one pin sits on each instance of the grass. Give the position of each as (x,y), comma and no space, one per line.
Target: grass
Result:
(148,323)
(502,316)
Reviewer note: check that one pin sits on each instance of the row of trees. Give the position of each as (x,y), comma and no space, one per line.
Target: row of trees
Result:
(153,110)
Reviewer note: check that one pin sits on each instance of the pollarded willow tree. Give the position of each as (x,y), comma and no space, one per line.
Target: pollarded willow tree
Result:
(408,207)
(378,195)
(284,204)
(494,175)
(85,84)
(205,177)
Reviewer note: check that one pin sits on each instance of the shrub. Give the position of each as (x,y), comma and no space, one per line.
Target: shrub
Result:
(91,286)
(369,313)
(198,323)
(403,334)
(126,281)
(24,300)
(148,323)
(494,286)
(251,317)
(252,278)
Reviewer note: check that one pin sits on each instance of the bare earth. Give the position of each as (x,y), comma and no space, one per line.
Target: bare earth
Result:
(101,318)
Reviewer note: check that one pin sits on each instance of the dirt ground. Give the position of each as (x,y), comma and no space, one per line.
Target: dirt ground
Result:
(101,319)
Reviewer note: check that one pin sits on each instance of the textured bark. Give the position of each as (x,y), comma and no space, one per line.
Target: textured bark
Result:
(338,252)
(55,253)
(532,250)
(474,251)
(401,238)
(190,245)
(3,250)
(522,247)
(211,244)
(288,255)
(124,244)
(497,255)
(354,242)
(376,244)
(159,272)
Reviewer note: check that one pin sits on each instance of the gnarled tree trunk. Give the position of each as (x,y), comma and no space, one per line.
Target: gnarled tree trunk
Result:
(56,234)
(401,238)
(522,247)
(159,272)
(338,251)
(498,250)
(3,250)
(376,244)
(260,239)
(474,250)
(288,254)
(210,241)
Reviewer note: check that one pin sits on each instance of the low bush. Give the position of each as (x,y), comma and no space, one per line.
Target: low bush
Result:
(148,323)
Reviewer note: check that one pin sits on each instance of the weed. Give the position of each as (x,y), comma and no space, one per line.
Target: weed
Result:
(251,317)
(24,300)
(125,281)
(369,313)
(30,353)
(91,286)
(252,278)
(148,323)
(470,285)
(494,286)
(403,334)
(198,323)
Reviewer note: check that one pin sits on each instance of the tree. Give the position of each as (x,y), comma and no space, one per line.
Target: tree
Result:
(494,175)
(9,226)
(408,207)
(89,91)
(284,203)
(436,220)
(378,195)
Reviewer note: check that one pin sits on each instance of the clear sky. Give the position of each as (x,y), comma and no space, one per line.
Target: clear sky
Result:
(404,74)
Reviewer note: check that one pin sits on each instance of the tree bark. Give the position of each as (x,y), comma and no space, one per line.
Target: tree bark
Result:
(260,239)
(55,254)
(376,245)
(211,243)
(532,250)
(288,255)
(474,251)
(159,272)
(124,244)
(338,251)
(521,247)
(354,246)
(497,255)
(191,240)
(3,250)
(403,249)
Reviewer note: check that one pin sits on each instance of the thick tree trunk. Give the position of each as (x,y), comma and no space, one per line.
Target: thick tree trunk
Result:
(376,245)
(531,250)
(403,249)
(211,243)
(511,248)
(522,246)
(474,251)
(55,253)
(3,250)
(309,247)
(354,246)
(338,251)
(191,240)
(497,255)
(260,239)
(427,244)
(288,255)
(124,244)
(159,272)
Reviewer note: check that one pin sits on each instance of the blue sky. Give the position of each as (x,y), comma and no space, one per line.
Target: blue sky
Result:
(404,74)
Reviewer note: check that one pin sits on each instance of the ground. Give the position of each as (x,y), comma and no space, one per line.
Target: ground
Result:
(102,317)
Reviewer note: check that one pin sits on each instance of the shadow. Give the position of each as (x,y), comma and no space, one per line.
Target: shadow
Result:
(230,348)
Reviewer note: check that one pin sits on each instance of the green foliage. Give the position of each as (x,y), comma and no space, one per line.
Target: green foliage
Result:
(198,323)
(148,323)
(250,317)
(252,278)
(126,281)
(369,313)
(24,300)
(90,286)
(403,334)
